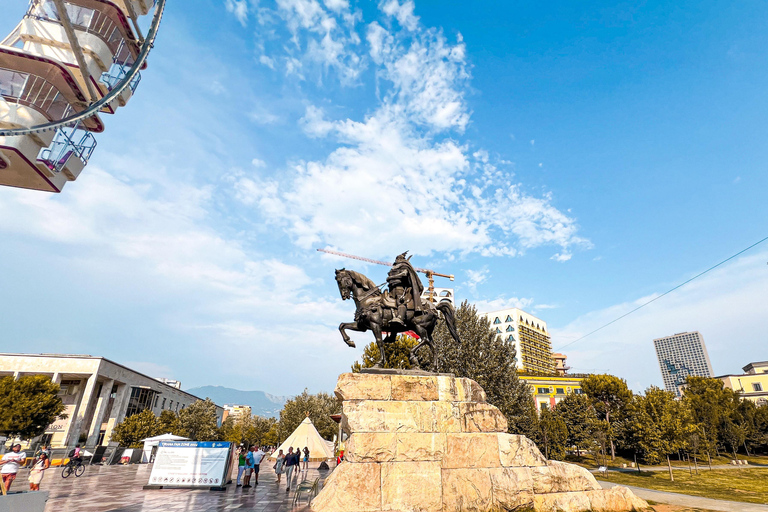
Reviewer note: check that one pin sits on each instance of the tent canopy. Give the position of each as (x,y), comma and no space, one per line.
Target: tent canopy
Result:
(164,437)
(306,435)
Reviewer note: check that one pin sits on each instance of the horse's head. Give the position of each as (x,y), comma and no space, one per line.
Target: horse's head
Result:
(344,280)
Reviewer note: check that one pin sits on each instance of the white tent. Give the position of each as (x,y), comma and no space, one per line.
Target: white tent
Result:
(151,443)
(306,435)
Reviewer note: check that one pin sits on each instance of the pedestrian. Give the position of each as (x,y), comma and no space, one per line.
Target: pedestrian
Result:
(10,465)
(257,456)
(306,458)
(36,473)
(248,469)
(279,470)
(290,464)
(240,465)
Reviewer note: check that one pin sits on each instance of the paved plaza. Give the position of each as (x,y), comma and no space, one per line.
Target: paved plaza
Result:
(119,489)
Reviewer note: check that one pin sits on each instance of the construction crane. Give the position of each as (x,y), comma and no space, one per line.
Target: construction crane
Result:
(427,272)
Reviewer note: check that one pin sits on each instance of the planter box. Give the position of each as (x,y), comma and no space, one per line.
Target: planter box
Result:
(24,501)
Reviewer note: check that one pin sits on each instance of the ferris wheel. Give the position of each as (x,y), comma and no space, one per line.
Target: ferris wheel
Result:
(65,63)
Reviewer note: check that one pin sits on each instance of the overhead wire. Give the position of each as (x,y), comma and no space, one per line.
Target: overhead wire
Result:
(663,294)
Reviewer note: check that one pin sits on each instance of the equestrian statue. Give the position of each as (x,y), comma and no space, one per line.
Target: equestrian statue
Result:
(398,309)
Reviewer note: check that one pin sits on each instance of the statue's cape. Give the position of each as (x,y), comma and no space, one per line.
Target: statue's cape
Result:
(416,287)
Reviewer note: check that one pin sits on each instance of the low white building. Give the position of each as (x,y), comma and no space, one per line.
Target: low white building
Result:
(97,393)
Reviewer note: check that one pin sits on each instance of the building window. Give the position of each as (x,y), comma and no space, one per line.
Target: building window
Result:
(543,391)
(498,331)
(157,398)
(578,391)
(510,329)
(543,406)
(509,319)
(560,391)
(756,386)
(497,321)
(163,406)
(141,400)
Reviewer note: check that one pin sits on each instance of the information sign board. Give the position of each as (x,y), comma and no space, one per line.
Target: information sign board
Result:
(190,464)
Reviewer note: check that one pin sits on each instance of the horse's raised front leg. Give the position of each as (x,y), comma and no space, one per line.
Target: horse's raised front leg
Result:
(352,326)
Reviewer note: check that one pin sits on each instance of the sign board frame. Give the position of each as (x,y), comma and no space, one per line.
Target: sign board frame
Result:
(191,465)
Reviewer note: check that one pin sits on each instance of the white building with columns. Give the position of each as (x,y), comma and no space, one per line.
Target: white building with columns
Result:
(97,393)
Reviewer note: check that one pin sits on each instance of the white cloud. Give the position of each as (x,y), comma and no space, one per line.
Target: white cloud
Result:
(487,306)
(727,306)
(239,8)
(258,163)
(402,12)
(267,61)
(398,175)
(476,277)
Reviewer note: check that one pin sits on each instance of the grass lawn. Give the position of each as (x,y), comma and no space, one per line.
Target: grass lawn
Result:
(589,461)
(750,485)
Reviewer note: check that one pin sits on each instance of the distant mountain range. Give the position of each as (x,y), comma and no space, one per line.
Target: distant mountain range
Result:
(262,404)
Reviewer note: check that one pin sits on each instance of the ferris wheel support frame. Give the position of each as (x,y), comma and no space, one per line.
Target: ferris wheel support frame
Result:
(95,107)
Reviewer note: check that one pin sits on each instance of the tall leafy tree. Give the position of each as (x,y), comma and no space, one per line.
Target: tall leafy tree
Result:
(609,394)
(319,407)
(134,428)
(489,360)
(168,423)
(580,419)
(553,434)
(656,424)
(396,354)
(712,406)
(28,405)
(199,422)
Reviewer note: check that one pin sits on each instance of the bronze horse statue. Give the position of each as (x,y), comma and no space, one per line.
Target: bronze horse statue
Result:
(374,315)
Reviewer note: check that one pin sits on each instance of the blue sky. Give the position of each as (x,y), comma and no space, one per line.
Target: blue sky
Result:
(571,160)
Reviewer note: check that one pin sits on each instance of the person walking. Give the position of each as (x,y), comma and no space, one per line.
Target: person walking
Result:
(258,455)
(279,470)
(290,465)
(240,465)
(306,458)
(36,473)
(10,463)
(248,469)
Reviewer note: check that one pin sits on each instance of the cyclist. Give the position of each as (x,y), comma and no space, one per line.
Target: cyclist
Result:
(74,456)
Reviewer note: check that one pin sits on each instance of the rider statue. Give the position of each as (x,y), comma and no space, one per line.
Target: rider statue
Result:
(405,288)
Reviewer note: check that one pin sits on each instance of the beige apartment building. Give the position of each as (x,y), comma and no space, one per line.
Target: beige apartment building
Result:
(97,393)
(236,411)
(752,384)
(530,337)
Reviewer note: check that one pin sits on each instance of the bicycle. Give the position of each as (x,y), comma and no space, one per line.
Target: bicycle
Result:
(76,467)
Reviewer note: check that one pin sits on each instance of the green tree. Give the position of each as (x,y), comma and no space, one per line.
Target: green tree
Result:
(396,354)
(134,428)
(656,424)
(272,437)
(28,405)
(199,422)
(712,406)
(553,434)
(319,407)
(489,360)
(580,419)
(609,394)
(168,423)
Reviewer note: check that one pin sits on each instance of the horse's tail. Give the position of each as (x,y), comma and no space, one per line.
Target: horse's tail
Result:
(447,310)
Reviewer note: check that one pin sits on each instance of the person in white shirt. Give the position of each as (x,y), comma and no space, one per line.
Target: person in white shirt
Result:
(10,463)
(257,456)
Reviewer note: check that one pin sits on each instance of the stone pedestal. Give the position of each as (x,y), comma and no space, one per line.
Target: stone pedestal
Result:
(433,444)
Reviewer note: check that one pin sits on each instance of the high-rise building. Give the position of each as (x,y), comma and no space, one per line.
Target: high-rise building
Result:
(530,337)
(680,356)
